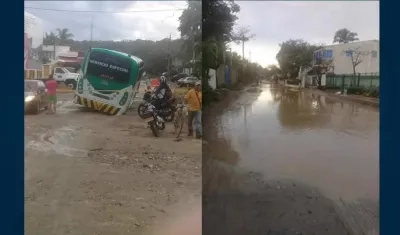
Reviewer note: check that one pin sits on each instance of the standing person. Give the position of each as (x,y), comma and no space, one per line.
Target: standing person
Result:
(51,86)
(194,100)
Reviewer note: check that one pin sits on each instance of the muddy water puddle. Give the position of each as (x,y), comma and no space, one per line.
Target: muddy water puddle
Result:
(68,141)
(288,137)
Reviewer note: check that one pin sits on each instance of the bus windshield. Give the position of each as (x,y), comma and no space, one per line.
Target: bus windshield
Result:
(109,67)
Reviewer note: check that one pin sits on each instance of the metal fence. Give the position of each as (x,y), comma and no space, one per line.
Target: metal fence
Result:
(361,80)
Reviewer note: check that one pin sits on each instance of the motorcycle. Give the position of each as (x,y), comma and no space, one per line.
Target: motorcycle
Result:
(154,121)
(167,110)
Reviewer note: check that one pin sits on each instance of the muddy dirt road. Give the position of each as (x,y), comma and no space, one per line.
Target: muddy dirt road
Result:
(87,173)
(281,161)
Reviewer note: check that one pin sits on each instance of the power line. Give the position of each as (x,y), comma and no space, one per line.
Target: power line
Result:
(105,12)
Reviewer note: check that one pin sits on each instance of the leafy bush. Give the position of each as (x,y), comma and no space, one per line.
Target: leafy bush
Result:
(355,90)
(373,92)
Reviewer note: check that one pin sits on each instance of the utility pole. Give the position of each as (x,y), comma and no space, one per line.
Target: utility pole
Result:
(54,48)
(91,31)
(169,55)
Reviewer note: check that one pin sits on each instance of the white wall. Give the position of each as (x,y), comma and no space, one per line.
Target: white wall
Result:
(342,64)
(60,50)
(213,79)
(33,26)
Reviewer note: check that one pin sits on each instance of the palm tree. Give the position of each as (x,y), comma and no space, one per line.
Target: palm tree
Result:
(345,36)
(49,38)
(64,35)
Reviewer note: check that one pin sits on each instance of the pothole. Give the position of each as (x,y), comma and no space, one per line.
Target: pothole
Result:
(56,141)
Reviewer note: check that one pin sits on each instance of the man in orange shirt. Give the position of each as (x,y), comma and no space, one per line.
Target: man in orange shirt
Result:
(194,100)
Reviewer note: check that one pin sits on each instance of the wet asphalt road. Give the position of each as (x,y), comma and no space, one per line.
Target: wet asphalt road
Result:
(282,161)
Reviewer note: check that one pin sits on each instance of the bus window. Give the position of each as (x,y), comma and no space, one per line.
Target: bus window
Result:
(109,67)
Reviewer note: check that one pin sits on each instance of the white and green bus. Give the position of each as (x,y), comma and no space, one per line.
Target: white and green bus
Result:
(108,80)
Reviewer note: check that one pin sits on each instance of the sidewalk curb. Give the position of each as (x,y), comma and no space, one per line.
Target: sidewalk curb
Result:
(345,98)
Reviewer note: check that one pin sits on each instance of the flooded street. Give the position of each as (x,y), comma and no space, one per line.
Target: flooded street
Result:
(305,163)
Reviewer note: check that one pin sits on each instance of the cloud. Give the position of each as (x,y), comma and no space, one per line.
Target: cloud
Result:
(130,26)
(275,22)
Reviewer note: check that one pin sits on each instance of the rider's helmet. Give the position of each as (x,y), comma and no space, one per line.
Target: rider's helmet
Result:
(164,74)
(163,79)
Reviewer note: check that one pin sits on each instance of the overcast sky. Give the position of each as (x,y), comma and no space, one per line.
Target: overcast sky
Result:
(274,22)
(143,25)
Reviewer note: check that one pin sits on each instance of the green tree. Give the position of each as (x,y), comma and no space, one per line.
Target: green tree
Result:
(153,53)
(49,38)
(293,54)
(272,71)
(64,36)
(218,21)
(190,27)
(345,36)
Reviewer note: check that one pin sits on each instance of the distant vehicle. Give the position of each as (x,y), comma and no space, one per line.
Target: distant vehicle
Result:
(66,75)
(35,96)
(179,76)
(63,75)
(108,80)
(188,81)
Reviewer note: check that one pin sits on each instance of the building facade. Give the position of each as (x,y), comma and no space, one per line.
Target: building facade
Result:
(33,39)
(51,53)
(340,57)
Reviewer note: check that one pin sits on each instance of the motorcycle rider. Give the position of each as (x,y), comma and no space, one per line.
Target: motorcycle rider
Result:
(162,94)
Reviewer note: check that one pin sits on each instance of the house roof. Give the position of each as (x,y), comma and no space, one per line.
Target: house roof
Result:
(70,59)
(58,48)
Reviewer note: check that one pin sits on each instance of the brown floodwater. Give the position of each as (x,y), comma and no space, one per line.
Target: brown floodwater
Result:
(281,134)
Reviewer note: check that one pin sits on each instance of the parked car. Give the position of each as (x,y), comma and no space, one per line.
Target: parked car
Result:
(188,81)
(35,96)
(178,76)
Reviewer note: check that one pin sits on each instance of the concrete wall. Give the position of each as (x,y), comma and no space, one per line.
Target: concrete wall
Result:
(342,62)
(234,76)
(48,51)
(213,78)
(220,75)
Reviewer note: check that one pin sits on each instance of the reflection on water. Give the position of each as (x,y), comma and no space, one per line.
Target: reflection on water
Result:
(287,134)
(270,154)
(265,95)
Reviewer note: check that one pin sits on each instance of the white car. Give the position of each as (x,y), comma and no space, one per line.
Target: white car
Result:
(188,81)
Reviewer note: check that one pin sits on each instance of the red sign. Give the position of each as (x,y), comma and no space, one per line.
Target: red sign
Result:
(155,82)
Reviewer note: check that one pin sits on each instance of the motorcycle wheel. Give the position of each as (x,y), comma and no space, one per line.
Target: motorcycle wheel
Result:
(170,117)
(141,110)
(160,126)
(153,129)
